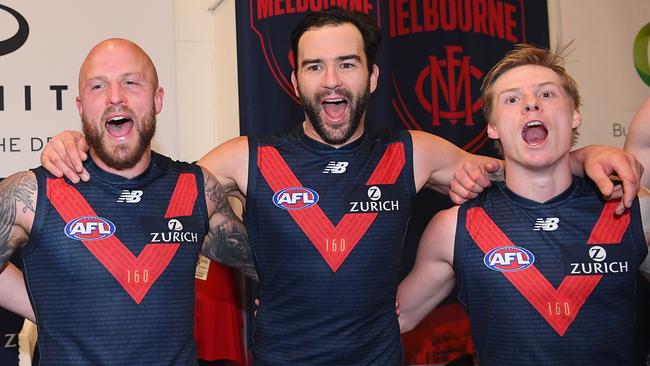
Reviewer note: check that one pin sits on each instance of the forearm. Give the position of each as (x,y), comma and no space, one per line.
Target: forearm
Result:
(226,241)
(228,244)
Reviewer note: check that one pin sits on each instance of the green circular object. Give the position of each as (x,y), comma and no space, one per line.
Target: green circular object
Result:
(640,53)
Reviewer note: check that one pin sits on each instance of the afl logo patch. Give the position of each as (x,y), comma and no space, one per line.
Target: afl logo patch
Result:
(89,228)
(509,259)
(295,198)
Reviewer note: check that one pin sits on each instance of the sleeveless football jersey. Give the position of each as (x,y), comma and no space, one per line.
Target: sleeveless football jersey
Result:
(110,266)
(549,283)
(327,226)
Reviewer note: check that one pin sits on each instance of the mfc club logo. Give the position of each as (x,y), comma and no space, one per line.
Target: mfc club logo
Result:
(509,259)
(14,42)
(89,228)
(444,97)
(295,198)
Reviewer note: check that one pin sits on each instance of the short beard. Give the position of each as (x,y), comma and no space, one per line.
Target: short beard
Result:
(121,156)
(358,106)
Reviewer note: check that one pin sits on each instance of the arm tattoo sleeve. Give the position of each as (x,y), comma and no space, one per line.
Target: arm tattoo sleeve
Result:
(226,241)
(17,194)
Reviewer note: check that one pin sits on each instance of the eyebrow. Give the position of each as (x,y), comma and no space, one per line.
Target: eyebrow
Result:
(537,86)
(339,58)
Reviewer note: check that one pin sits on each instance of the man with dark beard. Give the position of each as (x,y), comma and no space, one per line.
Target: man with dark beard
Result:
(327,202)
(110,263)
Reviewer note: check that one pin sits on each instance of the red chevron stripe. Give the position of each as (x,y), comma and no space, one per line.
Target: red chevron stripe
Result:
(569,296)
(110,251)
(610,227)
(313,221)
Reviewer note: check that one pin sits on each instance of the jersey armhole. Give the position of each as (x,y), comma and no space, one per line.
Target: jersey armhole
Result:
(406,138)
(40,213)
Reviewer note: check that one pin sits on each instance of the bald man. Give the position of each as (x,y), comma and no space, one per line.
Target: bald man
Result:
(110,263)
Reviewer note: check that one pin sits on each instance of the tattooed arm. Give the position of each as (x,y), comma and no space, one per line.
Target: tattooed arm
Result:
(226,241)
(17,206)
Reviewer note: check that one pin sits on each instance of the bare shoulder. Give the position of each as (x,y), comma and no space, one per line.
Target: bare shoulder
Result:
(228,162)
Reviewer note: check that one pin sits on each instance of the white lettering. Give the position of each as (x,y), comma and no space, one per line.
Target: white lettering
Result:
(374,206)
(12,340)
(599,268)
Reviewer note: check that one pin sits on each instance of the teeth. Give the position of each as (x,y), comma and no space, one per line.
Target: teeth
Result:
(533,123)
(334,101)
(116,119)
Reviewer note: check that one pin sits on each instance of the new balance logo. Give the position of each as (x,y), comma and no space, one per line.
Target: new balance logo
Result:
(130,196)
(335,167)
(548,224)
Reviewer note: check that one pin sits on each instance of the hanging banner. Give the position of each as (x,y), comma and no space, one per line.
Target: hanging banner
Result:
(433,58)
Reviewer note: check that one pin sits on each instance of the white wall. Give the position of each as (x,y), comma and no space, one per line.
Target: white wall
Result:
(603,32)
(206,74)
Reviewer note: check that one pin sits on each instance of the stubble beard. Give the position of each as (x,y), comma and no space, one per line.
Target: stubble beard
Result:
(358,104)
(120,156)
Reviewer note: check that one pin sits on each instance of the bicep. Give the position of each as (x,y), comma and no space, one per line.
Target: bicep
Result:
(228,162)
(434,159)
(432,276)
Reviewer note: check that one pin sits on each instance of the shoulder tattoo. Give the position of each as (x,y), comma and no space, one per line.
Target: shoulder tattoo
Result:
(17,195)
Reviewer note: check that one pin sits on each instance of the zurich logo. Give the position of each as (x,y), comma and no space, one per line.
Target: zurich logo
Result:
(295,198)
(509,259)
(89,228)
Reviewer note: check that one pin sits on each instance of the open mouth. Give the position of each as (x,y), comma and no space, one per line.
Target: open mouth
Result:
(335,108)
(119,126)
(534,133)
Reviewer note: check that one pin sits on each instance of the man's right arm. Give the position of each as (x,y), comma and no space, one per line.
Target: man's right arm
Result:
(432,277)
(637,141)
(17,207)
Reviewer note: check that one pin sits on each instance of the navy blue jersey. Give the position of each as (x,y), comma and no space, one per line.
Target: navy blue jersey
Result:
(110,266)
(326,226)
(549,283)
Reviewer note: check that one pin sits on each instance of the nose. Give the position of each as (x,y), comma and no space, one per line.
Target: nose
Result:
(532,106)
(116,94)
(330,78)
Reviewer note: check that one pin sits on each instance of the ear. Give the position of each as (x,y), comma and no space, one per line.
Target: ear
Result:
(374,76)
(158,99)
(80,108)
(294,81)
(577,118)
(492,131)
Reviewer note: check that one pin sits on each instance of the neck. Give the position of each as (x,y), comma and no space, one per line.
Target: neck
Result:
(538,184)
(137,169)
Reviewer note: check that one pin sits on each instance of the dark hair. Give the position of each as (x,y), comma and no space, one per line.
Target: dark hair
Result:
(335,15)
